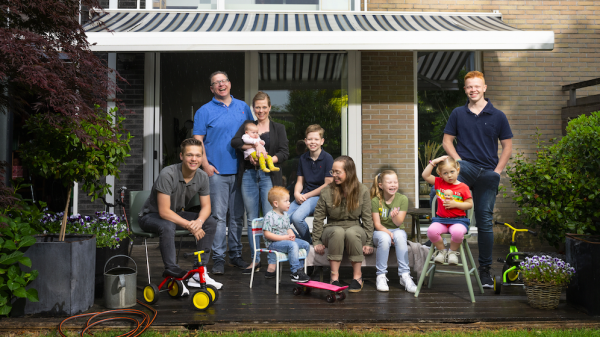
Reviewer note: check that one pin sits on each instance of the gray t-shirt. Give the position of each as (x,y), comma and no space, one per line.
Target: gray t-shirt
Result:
(171,182)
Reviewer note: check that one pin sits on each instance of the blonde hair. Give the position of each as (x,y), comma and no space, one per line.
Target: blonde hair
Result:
(449,161)
(315,128)
(350,187)
(376,191)
(277,193)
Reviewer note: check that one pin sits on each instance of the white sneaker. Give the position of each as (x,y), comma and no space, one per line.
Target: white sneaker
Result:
(453,257)
(440,256)
(382,283)
(195,281)
(407,282)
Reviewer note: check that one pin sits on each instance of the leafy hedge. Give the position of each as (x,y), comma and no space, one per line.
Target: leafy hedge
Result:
(558,189)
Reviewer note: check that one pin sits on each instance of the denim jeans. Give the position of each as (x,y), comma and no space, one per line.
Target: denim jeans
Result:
(225,196)
(298,214)
(291,248)
(255,189)
(383,242)
(484,186)
(153,223)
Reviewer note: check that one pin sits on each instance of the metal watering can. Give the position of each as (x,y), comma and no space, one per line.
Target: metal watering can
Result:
(120,285)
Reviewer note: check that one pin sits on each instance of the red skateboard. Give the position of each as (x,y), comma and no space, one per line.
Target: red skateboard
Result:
(335,292)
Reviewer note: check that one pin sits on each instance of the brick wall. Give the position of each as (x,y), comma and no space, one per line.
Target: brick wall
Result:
(526,84)
(387,117)
(133,96)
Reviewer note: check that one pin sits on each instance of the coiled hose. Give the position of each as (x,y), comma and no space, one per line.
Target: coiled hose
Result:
(140,326)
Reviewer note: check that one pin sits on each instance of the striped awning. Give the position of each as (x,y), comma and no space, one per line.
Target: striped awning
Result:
(155,30)
(443,65)
(284,22)
(301,66)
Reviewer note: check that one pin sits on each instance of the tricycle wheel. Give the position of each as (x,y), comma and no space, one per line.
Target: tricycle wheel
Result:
(297,291)
(214,293)
(202,299)
(512,275)
(497,284)
(330,298)
(151,293)
(175,288)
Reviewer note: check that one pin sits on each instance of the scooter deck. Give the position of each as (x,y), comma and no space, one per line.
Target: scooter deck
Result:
(321,285)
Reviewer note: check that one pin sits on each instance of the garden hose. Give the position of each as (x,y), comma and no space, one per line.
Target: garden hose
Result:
(139,326)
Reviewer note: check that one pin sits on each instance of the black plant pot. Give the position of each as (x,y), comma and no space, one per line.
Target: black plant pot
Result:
(103,255)
(583,254)
(65,283)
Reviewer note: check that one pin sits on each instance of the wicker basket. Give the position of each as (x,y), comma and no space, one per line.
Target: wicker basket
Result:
(543,295)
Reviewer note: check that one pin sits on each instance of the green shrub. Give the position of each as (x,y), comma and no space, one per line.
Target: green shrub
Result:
(558,189)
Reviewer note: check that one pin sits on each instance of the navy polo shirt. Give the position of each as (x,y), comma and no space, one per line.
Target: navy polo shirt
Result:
(477,135)
(314,171)
(218,123)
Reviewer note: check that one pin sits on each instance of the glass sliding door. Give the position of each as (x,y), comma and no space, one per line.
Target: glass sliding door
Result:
(185,87)
(305,89)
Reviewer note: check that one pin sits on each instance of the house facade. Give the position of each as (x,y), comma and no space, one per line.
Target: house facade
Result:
(384,72)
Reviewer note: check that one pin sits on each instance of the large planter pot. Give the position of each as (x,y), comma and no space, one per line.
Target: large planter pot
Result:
(103,255)
(583,254)
(65,283)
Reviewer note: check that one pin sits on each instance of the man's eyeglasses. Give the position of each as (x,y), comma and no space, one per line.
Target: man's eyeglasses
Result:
(335,173)
(220,82)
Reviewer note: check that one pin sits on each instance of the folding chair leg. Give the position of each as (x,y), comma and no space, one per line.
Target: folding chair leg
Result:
(424,272)
(467,273)
(147,262)
(277,278)
(431,274)
(253,268)
(475,271)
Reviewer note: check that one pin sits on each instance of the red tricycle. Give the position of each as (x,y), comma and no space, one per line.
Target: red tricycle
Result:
(201,300)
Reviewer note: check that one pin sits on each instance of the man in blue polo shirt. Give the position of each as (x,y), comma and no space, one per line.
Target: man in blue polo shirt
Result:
(215,124)
(477,127)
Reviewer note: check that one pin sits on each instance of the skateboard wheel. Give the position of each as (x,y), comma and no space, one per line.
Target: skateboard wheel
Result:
(175,288)
(151,293)
(341,296)
(330,298)
(214,293)
(497,284)
(297,291)
(202,299)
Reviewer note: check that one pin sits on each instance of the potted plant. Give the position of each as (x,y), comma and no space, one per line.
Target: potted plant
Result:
(112,237)
(545,277)
(66,262)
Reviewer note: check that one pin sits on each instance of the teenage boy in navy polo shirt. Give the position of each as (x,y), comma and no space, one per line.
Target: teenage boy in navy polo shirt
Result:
(313,176)
(215,124)
(477,127)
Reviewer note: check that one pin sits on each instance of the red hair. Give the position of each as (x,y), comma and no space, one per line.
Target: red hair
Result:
(474,74)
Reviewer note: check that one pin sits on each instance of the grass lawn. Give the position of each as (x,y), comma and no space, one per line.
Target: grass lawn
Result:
(344,333)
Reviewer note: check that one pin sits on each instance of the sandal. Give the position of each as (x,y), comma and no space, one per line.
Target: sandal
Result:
(356,285)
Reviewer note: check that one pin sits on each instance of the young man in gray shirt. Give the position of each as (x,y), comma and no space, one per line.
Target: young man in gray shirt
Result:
(163,211)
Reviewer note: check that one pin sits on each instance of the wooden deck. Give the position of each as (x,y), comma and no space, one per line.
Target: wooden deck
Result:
(241,308)
(447,301)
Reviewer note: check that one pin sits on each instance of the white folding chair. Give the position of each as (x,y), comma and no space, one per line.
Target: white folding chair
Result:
(257,231)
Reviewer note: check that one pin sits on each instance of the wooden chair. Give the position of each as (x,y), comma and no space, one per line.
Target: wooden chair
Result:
(430,268)
(257,230)
(136,202)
